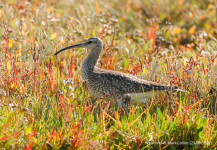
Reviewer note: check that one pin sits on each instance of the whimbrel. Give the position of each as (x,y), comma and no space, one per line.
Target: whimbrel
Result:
(114,85)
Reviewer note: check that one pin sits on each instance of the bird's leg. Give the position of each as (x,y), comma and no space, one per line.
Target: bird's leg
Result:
(122,106)
(127,99)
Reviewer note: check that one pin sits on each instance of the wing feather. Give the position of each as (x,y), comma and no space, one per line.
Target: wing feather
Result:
(127,83)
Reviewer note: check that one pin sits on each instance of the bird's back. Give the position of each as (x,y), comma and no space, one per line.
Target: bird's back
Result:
(118,82)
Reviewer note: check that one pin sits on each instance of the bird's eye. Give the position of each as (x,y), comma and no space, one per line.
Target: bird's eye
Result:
(89,42)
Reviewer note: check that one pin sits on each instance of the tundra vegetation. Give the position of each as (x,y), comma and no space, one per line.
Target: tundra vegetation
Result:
(43,102)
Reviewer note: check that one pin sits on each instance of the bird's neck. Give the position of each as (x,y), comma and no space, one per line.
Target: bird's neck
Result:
(90,62)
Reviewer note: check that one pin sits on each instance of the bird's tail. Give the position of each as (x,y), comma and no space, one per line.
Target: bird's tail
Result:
(180,90)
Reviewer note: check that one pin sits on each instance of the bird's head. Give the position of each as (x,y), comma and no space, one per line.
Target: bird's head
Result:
(92,43)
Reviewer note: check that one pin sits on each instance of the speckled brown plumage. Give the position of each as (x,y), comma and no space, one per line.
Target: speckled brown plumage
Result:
(110,84)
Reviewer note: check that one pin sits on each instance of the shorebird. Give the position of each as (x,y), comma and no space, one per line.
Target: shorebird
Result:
(114,85)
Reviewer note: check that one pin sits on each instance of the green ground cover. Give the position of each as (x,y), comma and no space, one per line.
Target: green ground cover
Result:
(43,104)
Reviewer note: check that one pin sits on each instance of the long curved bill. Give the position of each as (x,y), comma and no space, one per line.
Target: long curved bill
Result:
(69,47)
